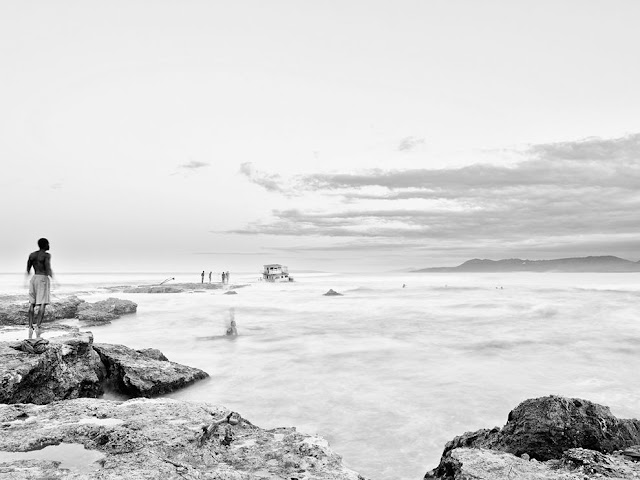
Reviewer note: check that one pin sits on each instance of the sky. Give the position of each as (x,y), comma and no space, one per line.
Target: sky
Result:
(358,135)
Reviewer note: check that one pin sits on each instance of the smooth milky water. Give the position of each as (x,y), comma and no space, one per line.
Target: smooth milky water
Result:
(389,374)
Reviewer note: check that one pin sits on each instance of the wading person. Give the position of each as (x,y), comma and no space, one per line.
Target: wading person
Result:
(39,286)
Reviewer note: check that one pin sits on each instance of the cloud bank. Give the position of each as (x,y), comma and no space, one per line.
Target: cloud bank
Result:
(582,192)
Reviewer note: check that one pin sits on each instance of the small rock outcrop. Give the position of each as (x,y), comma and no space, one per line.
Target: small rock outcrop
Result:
(554,430)
(160,438)
(16,313)
(144,373)
(96,313)
(68,368)
(104,311)
(332,293)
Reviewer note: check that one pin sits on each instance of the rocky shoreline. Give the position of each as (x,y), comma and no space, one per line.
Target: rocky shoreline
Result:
(50,403)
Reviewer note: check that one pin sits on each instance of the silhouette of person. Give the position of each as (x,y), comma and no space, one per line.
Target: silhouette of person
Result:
(227,276)
(202,277)
(223,277)
(40,285)
(209,277)
(232,330)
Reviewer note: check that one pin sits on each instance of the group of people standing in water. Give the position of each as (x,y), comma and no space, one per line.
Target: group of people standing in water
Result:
(225,277)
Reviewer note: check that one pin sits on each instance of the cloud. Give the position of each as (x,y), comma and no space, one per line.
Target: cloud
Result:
(270,182)
(409,144)
(584,190)
(193,165)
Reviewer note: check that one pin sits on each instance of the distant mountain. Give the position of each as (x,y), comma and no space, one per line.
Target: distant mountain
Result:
(607,263)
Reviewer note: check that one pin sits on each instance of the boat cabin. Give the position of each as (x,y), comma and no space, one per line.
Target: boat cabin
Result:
(275,272)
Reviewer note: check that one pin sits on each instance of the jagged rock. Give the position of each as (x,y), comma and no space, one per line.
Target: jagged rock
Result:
(68,368)
(544,429)
(104,311)
(160,438)
(231,292)
(331,293)
(142,374)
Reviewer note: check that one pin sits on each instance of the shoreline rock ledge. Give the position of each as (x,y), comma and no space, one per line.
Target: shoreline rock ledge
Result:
(548,438)
(157,438)
(73,366)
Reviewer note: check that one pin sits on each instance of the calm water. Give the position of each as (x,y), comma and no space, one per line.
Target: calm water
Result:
(389,374)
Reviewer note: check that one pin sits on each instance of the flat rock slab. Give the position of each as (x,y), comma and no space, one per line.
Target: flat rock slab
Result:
(68,368)
(143,373)
(160,438)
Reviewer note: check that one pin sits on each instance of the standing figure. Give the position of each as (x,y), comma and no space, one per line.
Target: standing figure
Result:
(223,275)
(210,277)
(39,286)
(227,277)
(202,276)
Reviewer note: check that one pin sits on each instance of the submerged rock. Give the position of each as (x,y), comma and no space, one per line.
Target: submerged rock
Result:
(68,368)
(144,373)
(556,430)
(331,293)
(162,438)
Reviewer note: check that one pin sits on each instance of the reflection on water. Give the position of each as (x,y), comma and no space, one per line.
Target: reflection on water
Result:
(389,374)
(72,456)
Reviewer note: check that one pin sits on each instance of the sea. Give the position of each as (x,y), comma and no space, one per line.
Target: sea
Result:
(397,365)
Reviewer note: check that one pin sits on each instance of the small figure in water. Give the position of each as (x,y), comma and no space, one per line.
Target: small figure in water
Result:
(223,275)
(232,330)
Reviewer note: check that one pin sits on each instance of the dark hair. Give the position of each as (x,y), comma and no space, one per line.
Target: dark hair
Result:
(43,243)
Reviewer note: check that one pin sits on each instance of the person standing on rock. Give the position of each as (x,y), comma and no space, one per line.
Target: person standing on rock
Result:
(202,277)
(40,284)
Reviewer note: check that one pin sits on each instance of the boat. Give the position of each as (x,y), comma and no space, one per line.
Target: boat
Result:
(274,272)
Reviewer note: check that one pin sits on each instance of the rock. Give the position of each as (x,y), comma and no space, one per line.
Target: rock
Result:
(331,293)
(142,374)
(68,368)
(153,353)
(16,313)
(97,313)
(576,464)
(231,292)
(160,438)
(544,429)
(104,311)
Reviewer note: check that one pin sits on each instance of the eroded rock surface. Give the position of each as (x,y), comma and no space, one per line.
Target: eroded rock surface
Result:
(144,373)
(162,438)
(67,369)
(558,434)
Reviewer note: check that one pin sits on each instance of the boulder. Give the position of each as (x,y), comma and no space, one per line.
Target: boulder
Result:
(104,311)
(158,438)
(144,374)
(68,368)
(543,429)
